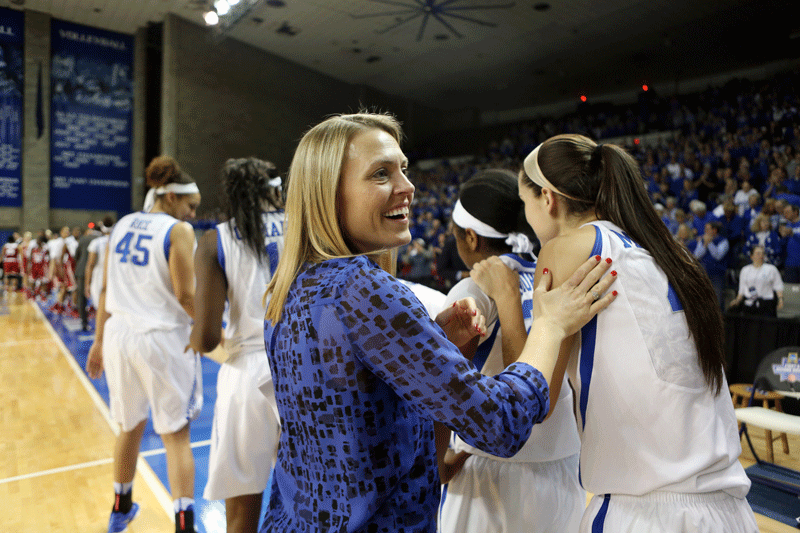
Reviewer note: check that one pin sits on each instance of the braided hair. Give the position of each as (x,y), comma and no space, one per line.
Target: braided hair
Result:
(248,194)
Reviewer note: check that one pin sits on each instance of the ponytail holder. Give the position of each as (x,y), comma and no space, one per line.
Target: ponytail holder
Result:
(275,182)
(520,243)
(596,158)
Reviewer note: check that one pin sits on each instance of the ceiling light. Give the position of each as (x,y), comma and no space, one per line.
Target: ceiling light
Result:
(233,2)
(211,18)
(222,7)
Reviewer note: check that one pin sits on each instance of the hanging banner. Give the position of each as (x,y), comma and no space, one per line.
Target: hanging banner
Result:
(12,28)
(91,118)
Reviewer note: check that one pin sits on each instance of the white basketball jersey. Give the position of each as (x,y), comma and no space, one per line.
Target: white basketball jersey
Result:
(56,247)
(556,437)
(647,418)
(247,281)
(138,286)
(72,245)
(98,247)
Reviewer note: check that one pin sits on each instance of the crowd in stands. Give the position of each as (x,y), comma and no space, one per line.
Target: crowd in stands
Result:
(728,155)
(730,165)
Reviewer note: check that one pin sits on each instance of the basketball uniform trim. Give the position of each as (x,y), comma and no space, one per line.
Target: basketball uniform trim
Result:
(600,518)
(191,406)
(168,241)
(220,252)
(588,337)
(485,348)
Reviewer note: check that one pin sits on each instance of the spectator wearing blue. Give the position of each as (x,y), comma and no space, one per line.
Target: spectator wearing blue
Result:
(687,194)
(770,208)
(753,208)
(711,249)
(791,181)
(700,216)
(742,196)
(790,231)
(762,234)
(733,228)
(665,218)
(418,263)
(782,193)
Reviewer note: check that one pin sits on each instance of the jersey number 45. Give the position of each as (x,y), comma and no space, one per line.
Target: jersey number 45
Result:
(139,255)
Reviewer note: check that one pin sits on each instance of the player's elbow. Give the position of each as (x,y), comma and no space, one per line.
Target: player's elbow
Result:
(208,341)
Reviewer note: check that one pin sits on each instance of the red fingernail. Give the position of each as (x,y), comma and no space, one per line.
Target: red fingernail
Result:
(454,304)
(475,312)
(597,258)
(608,260)
(545,271)
(614,293)
(613,272)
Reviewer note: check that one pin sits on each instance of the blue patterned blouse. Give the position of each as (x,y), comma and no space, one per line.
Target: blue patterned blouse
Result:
(360,374)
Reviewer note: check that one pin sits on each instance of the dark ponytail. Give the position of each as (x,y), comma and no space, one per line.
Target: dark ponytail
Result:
(246,185)
(607,180)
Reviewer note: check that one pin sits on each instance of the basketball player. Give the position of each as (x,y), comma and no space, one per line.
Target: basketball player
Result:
(11,265)
(489,221)
(233,263)
(144,312)
(660,448)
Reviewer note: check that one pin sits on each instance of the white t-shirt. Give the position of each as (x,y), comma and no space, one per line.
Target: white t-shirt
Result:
(759,282)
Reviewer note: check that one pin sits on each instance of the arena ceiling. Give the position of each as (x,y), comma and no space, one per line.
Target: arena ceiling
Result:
(490,55)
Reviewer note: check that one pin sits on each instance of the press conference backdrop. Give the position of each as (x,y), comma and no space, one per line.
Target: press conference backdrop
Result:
(91,114)
(12,26)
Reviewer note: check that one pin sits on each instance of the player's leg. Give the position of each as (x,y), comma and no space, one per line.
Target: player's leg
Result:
(180,471)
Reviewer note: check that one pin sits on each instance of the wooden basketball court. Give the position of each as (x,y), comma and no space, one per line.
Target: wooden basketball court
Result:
(57,440)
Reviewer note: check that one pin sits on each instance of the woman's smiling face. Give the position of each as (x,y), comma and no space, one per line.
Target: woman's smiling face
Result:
(374,193)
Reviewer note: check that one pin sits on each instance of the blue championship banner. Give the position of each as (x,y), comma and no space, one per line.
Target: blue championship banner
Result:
(91,118)
(12,28)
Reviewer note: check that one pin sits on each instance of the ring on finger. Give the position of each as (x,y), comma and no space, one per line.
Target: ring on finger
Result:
(595,296)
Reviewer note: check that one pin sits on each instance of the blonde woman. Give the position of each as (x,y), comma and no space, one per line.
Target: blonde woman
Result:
(762,234)
(359,369)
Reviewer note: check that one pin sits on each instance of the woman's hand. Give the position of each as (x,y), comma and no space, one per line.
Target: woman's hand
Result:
(462,321)
(495,279)
(570,306)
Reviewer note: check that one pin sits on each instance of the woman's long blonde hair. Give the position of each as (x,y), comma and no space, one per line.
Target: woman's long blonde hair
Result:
(313,229)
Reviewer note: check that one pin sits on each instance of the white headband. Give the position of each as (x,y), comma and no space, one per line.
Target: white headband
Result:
(464,220)
(275,182)
(177,188)
(520,244)
(533,171)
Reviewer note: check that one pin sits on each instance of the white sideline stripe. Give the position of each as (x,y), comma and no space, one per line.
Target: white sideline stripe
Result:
(159,451)
(89,464)
(99,462)
(23,341)
(159,491)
